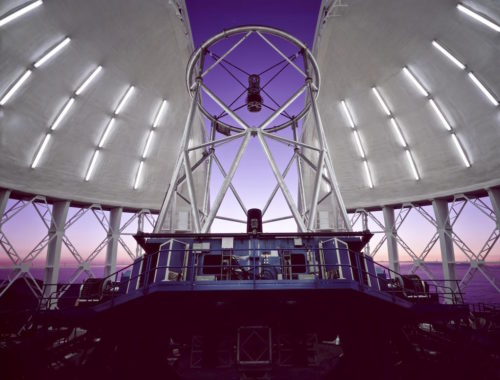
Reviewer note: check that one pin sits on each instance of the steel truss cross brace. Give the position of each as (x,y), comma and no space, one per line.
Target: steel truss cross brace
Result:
(183,171)
(21,266)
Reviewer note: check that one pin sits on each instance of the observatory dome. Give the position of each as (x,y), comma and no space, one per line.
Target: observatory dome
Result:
(409,98)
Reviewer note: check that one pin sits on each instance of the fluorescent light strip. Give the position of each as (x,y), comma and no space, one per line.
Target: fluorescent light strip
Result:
(381,101)
(483,89)
(92,165)
(368,174)
(440,115)
(5,20)
(398,133)
(460,150)
(138,175)
(478,17)
(106,133)
(448,55)
(15,87)
(124,100)
(63,113)
(88,80)
(159,113)
(358,143)
(415,82)
(52,52)
(39,154)
(148,144)
(348,114)
(412,164)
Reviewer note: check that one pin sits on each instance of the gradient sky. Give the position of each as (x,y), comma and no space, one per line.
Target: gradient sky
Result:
(254,180)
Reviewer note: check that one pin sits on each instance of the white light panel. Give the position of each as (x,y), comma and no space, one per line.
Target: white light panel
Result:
(469,12)
(39,154)
(347,114)
(415,82)
(381,101)
(89,80)
(358,143)
(138,176)
(63,113)
(148,144)
(92,165)
(368,174)
(440,115)
(460,150)
(412,165)
(56,49)
(160,112)
(397,130)
(29,7)
(483,89)
(106,133)
(15,87)
(124,100)
(448,55)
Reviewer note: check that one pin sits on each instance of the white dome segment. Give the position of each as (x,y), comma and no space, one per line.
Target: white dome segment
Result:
(65,76)
(421,82)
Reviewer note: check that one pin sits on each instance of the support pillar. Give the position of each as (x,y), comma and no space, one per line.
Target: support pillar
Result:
(53,259)
(4,198)
(445,232)
(115,217)
(494,195)
(390,235)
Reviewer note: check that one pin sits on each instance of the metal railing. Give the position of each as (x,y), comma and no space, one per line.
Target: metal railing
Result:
(258,267)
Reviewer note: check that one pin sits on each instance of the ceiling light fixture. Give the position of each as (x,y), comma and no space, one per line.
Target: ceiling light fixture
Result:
(106,133)
(5,20)
(63,113)
(460,150)
(469,12)
(348,114)
(415,82)
(447,54)
(412,164)
(88,80)
(440,115)
(15,87)
(138,175)
(358,143)
(148,144)
(40,151)
(159,113)
(92,165)
(368,174)
(381,101)
(483,89)
(124,100)
(398,133)
(52,52)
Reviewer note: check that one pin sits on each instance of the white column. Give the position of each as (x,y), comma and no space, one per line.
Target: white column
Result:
(4,197)
(445,231)
(115,217)
(390,235)
(495,203)
(53,259)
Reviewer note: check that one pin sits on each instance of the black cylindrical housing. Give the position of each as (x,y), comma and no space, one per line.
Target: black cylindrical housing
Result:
(254,99)
(254,220)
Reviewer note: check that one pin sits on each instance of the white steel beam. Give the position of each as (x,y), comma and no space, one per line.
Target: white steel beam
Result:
(53,259)
(445,231)
(115,217)
(391,237)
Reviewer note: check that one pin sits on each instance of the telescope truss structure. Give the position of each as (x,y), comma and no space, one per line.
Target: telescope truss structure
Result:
(316,156)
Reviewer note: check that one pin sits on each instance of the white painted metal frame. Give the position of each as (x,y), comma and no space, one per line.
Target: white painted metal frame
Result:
(303,212)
